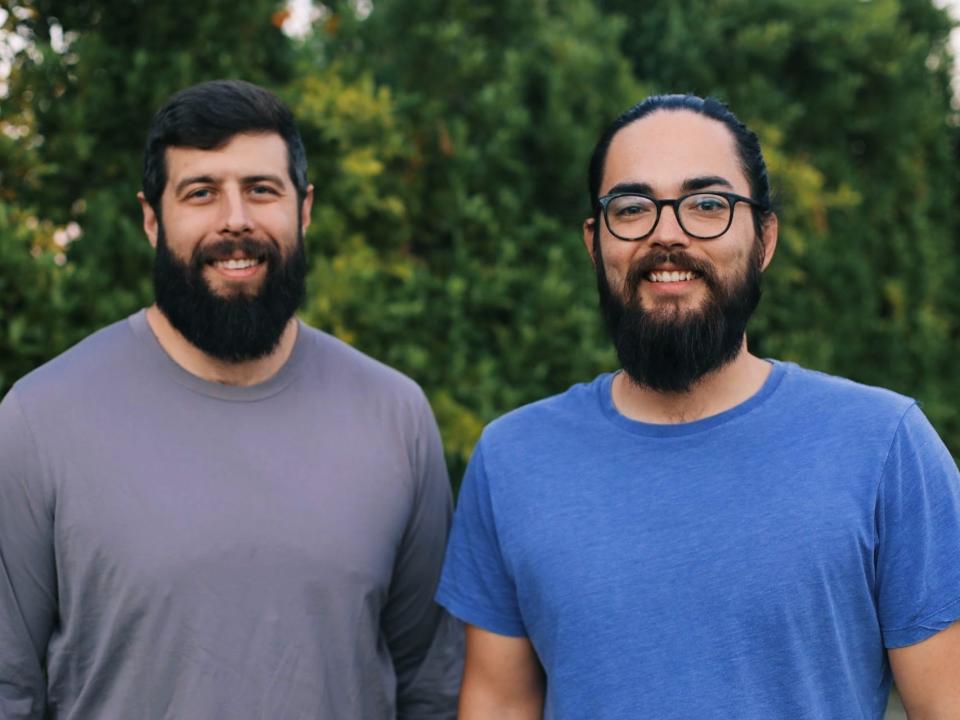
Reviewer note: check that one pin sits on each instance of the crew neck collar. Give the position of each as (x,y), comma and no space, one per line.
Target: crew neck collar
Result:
(161,361)
(666,430)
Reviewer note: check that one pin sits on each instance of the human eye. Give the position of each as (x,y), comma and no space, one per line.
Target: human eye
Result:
(263,190)
(706,205)
(631,207)
(199,194)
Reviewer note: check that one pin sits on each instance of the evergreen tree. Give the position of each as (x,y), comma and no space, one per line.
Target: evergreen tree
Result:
(448,145)
(469,272)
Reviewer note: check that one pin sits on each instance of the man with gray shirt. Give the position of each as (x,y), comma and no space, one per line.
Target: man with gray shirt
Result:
(210,509)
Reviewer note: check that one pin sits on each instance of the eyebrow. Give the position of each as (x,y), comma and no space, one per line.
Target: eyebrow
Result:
(699,183)
(211,180)
(688,185)
(254,179)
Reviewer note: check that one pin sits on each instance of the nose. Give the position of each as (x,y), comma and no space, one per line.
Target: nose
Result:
(236,216)
(668,232)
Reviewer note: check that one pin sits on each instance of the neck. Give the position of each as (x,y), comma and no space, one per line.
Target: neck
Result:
(195,361)
(712,394)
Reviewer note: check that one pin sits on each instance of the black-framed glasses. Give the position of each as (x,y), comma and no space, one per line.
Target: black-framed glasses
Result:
(702,215)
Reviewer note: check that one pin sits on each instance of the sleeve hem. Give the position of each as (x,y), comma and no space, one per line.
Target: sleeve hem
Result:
(482,619)
(925,628)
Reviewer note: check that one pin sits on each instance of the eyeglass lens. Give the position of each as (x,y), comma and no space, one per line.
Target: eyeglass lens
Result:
(700,215)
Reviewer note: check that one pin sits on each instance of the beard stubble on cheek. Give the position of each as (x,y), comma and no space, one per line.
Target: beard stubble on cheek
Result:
(669,347)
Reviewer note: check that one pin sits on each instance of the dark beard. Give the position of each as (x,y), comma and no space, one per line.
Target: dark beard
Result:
(669,353)
(231,328)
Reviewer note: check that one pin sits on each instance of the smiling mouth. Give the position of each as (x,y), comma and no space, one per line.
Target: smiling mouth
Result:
(664,276)
(236,263)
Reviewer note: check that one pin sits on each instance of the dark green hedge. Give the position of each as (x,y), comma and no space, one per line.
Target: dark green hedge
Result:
(448,144)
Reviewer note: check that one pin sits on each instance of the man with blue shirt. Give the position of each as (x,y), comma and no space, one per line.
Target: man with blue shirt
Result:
(704,534)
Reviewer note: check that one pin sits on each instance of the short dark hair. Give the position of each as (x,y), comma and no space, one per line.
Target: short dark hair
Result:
(207,116)
(746,141)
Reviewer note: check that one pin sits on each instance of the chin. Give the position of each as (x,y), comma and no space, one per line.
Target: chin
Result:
(230,290)
(675,308)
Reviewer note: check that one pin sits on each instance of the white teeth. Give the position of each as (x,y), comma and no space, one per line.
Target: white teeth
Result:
(236,264)
(670,276)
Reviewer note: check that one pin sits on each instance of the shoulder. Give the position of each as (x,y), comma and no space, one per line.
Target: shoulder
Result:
(545,426)
(840,416)
(841,397)
(42,404)
(80,368)
(554,411)
(387,406)
(355,372)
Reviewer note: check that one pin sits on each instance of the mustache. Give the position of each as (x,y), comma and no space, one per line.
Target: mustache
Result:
(226,248)
(675,258)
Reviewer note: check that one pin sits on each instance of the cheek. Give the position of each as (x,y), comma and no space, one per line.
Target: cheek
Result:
(615,274)
(281,224)
(734,265)
(185,228)
(618,257)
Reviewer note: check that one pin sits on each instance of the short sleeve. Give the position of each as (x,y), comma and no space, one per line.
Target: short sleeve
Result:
(27,569)
(476,585)
(918,535)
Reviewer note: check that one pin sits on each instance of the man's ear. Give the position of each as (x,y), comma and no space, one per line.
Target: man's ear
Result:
(769,237)
(151,224)
(306,207)
(589,230)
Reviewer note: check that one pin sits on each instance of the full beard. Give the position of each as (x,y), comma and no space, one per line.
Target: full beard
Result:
(669,349)
(232,328)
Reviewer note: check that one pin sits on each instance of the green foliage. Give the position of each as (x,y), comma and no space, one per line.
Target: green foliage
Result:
(448,145)
(32,299)
(467,271)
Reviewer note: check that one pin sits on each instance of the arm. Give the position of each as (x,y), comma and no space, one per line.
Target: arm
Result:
(927,675)
(425,642)
(502,678)
(27,571)
(918,576)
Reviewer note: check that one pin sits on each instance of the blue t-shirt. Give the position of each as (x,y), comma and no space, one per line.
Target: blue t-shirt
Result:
(751,565)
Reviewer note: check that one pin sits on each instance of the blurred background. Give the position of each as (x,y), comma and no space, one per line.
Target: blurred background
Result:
(448,143)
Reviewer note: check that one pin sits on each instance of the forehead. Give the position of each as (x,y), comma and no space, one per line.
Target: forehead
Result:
(243,155)
(669,146)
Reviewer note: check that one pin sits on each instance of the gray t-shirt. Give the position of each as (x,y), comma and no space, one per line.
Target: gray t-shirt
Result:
(175,548)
